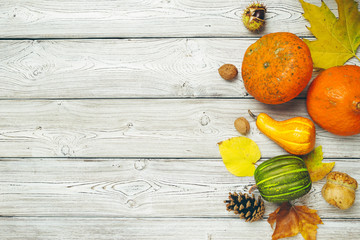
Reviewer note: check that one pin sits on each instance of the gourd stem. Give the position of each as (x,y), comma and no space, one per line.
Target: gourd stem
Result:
(252,188)
(252,115)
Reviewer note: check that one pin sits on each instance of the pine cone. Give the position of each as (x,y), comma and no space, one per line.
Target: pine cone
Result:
(248,207)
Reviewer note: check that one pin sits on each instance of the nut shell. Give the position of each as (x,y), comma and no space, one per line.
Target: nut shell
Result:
(228,71)
(254,17)
(339,190)
(242,125)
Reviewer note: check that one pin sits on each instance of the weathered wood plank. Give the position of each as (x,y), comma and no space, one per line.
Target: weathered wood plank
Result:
(158,229)
(142,128)
(151,68)
(163,128)
(119,68)
(142,18)
(137,188)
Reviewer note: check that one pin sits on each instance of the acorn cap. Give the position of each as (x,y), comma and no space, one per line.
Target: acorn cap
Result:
(342,179)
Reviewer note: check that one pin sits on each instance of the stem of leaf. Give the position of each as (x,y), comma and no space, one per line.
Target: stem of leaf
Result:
(357,57)
(252,188)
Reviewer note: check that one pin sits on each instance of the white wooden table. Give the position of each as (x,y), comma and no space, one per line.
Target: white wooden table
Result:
(110,114)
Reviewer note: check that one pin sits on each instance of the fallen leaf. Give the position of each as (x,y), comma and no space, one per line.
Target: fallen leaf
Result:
(317,169)
(239,155)
(290,220)
(337,38)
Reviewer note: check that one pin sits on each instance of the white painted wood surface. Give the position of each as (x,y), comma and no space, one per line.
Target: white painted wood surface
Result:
(110,115)
(122,68)
(143,18)
(148,128)
(133,188)
(44,228)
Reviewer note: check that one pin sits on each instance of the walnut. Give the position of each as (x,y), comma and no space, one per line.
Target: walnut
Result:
(242,125)
(339,190)
(228,71)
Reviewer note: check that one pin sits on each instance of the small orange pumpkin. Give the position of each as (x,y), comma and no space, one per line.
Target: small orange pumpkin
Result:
(276,68)
(333,100)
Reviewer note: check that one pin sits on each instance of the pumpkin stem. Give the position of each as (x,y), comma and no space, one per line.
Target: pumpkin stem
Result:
(252,115)
(358,106)
(252,188)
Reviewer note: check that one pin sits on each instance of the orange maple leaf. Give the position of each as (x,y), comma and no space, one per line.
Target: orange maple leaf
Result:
(290,220)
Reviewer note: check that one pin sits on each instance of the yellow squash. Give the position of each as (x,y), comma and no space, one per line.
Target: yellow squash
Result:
(296,135)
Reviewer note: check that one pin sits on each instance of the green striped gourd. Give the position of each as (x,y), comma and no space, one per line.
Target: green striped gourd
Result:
(282,178)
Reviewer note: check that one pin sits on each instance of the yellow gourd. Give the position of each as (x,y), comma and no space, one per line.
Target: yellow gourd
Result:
(296,135)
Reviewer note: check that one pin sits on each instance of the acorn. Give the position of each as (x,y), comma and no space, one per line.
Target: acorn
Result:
(339,190)
(254,17)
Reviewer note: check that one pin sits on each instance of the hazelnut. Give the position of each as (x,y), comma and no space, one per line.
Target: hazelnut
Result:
(228,71)
(339,190)
(242,125)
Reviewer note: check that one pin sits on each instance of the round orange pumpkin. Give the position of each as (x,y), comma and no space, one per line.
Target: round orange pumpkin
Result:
(276,68)
(333,100)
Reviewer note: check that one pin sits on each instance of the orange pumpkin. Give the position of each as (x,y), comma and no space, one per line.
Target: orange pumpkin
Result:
(333,100)
(276,68)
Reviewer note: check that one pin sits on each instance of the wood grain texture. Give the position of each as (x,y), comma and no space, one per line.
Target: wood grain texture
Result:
(138,188)
(143,18)
(115,137)
(128,68)
(158,229)
(147,128)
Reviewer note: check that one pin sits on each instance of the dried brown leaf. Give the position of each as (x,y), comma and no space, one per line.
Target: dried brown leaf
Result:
(290,220)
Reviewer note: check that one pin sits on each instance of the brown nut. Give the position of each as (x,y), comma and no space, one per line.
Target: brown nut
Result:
(228,71)
(242,125)
(339,190)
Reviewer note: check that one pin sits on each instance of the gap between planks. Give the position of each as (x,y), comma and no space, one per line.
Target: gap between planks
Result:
(157,218)
(139,38)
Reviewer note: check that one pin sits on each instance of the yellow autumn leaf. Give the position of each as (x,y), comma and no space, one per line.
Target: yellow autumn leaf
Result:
(337,38)
(239,155)
(317,169)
